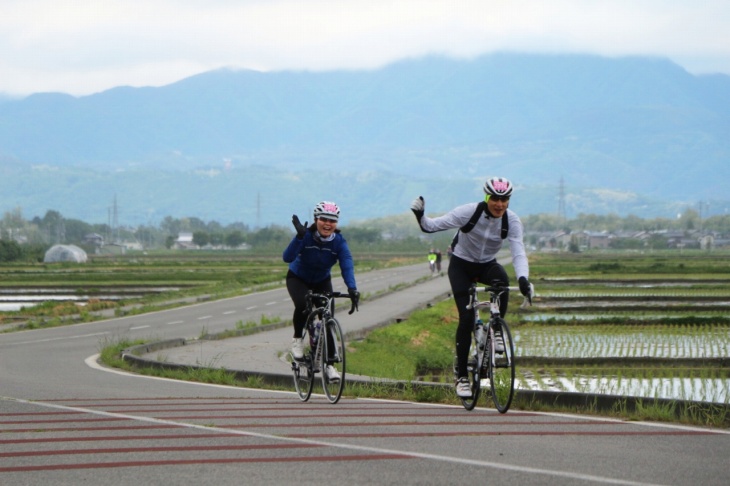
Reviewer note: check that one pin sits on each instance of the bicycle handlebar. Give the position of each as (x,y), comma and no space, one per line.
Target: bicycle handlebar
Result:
(499,288)
(334,295)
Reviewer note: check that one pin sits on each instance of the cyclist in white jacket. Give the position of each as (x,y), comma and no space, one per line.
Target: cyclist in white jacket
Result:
(483,227)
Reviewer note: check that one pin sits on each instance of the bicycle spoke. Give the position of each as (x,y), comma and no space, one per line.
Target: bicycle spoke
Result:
(334,357)
(502,370)
(303,371)
(303,378)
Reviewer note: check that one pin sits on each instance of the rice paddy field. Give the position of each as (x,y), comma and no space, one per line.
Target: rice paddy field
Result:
(653,325)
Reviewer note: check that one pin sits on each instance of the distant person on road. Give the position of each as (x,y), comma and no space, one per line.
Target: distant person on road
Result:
(483,226)
(311,254)
(438,261)
(432,260)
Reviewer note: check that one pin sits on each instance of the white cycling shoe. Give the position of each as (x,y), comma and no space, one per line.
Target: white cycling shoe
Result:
(332,373)
(463,388)
(297,348)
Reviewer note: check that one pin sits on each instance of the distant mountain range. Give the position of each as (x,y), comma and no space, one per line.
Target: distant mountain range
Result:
(629,136)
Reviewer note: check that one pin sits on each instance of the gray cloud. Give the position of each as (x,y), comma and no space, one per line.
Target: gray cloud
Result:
(84,46)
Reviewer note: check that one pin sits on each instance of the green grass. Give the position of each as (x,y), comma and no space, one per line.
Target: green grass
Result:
(408,349)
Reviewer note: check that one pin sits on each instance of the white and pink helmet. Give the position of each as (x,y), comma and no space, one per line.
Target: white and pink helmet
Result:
(498,186)
(327,209)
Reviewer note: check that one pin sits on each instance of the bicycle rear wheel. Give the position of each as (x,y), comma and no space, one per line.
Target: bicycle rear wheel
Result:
(502,369)
(303,372)
(334,355)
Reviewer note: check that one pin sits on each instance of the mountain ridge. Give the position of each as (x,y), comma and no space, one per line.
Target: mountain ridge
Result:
(636,125)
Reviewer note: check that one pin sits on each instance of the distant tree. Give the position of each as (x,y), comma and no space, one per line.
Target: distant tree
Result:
(657,241)
(171,226)
(170,241)
(573,246)
(234,239)
(243,228)
(10,251)
(201,238)
(689,220)
(52,226)
(195,224)
(146,236)
(363,235)
(216,238)
(214,227)
(76,230)
(273,236)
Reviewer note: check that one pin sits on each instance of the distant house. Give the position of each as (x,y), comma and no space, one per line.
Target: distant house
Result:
(184,241)
(94,239)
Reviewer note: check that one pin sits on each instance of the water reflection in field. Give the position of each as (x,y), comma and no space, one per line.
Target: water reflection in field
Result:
(716,390)
(20,298)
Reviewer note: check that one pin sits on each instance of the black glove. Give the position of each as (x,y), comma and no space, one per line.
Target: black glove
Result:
(524,286)
(418,206)
(301,229)
(355,298)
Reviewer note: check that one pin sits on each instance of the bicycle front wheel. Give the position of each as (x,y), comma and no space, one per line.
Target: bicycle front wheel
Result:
(502,367)
(474,381)
(333,369)
(303,371)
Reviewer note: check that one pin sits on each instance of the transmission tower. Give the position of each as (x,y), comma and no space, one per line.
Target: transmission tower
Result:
(561,201)
(258,210)
(115,221)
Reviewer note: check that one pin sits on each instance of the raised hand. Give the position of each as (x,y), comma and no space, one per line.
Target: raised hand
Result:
(299,227)
(418,206)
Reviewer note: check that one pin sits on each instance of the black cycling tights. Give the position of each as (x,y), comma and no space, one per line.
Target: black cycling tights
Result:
(298,290)
(462,275)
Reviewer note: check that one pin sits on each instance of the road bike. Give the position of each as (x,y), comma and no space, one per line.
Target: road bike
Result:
(323,346)
(492,354)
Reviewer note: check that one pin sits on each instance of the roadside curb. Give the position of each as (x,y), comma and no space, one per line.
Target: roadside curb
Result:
(580,402)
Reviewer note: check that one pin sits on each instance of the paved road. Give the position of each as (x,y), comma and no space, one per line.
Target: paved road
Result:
(65,420)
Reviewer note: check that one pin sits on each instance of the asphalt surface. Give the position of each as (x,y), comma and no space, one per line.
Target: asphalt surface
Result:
(66,420)
(267,352)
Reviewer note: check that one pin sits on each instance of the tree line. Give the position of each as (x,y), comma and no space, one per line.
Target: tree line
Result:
(24,239)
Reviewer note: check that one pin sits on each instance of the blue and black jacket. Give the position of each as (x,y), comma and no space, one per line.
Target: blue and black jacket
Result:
(311,259)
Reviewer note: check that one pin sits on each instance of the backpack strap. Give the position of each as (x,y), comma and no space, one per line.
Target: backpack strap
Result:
(481,207)
(505,225)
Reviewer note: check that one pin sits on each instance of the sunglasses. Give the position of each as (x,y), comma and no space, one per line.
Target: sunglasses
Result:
(499,198)
(328,220)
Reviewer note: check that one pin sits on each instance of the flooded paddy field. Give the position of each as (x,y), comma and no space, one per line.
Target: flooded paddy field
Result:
(15,299)
(630,333)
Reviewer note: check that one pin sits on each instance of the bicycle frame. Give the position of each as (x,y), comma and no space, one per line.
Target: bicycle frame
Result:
(485,340)
(323,312)
(326,347)
(492,363)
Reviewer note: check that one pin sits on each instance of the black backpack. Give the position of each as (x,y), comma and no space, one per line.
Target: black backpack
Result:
(481,207)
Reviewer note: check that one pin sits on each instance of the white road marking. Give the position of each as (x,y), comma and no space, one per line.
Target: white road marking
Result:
(62,338)
(91,361)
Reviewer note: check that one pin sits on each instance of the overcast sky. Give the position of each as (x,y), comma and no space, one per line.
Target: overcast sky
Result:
(83,46)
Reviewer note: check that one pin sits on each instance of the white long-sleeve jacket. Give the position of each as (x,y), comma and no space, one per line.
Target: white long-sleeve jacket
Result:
(484,241)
